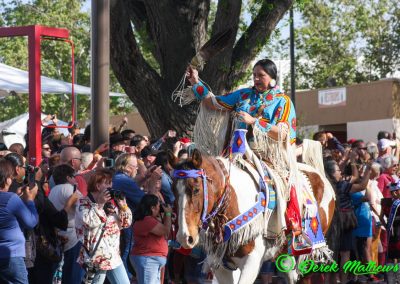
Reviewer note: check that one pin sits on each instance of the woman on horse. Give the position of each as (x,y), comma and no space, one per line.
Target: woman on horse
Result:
(269,116)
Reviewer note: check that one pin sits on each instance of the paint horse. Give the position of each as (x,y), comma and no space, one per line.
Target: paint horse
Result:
(210,192)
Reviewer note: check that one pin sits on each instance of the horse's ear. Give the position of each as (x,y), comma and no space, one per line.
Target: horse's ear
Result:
(196,158)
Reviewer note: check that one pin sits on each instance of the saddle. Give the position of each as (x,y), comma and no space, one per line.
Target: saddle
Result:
(299,242)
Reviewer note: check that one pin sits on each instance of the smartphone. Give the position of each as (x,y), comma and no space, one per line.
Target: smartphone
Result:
(109,163)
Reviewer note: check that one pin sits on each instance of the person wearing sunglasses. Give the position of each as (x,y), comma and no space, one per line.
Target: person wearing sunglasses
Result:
(46,151)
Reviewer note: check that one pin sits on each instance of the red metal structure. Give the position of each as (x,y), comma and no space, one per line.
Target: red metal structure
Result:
(35,35)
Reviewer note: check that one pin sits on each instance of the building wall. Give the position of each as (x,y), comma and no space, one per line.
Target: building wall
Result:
(364,102)
(368,130)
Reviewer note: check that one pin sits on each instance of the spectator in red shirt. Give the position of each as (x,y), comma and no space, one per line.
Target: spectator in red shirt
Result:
(390,166)
(150,247)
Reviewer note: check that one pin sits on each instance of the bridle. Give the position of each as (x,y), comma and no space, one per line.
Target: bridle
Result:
(185,174)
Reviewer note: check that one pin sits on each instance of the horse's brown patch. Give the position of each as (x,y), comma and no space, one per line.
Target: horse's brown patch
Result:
(245,249)
(317,185)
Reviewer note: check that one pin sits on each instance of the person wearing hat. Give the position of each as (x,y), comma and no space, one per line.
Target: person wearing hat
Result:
(385,146)
(117,144)
(148,156)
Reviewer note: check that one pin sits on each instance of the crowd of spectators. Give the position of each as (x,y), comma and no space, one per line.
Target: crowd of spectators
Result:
(93,217)
(107,215)
(365,176)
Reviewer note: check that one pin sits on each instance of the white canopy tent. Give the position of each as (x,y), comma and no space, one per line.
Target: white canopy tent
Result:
(14,130)
(16,80)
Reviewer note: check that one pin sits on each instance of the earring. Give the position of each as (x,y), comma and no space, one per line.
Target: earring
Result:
(272,83)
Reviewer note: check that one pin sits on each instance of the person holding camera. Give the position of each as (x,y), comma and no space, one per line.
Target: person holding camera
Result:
(150,247)
(18,164)
(99,219)
(126,167)
(16,214)
(66,191)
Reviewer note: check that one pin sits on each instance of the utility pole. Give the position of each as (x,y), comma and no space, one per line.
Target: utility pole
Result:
(292,70)
(100,66)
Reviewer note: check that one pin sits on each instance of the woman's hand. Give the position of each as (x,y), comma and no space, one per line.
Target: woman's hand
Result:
(29,194)
(103,197)
(353,156)
(246,118)
(167,208)
(121,203)
(102,148)
(192,75)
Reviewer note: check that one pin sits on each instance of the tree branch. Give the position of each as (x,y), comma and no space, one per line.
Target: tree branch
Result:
(216,70)
(255,37)
(126,56)
(139,18)
(172,24)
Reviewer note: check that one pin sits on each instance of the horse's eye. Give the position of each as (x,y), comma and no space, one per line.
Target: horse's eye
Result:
(196,191)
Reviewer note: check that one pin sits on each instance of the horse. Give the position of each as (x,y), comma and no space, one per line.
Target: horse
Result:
(210,191)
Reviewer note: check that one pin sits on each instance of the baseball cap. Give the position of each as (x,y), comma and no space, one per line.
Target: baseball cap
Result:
(185,140)
(385,143)
(148,151)
(116,138)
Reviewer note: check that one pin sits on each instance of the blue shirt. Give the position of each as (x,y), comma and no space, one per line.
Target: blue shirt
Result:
(166,190)
(129,187)
(363,214)
(15,216)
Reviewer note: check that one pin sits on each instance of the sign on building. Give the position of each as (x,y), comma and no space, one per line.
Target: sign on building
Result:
(332,98)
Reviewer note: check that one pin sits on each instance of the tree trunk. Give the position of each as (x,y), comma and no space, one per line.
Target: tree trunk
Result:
(175,31)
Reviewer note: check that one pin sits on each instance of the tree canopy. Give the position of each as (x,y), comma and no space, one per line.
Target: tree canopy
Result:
(341,42)
(56,56)
(174,31)
(338,42)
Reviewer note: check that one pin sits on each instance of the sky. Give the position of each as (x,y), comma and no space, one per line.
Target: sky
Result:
(282,62)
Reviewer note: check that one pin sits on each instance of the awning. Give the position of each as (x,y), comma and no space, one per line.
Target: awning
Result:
(16,80)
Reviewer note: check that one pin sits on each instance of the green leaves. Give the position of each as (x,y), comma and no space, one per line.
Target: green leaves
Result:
(56,56)
(346,41)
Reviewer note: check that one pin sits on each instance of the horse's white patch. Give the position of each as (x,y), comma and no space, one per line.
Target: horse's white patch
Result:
(183,231)
(245,189)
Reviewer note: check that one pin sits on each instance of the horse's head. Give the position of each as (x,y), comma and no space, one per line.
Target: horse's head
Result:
(190,188)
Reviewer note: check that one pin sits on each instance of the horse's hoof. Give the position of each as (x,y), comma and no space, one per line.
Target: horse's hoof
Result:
(228,265)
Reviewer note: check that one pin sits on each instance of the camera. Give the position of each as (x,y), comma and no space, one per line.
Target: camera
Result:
(116,194)
(109,163)
(90,271)
(30,175)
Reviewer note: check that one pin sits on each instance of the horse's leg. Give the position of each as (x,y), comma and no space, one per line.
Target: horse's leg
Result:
(291,277)
(223,276)
(250,264)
